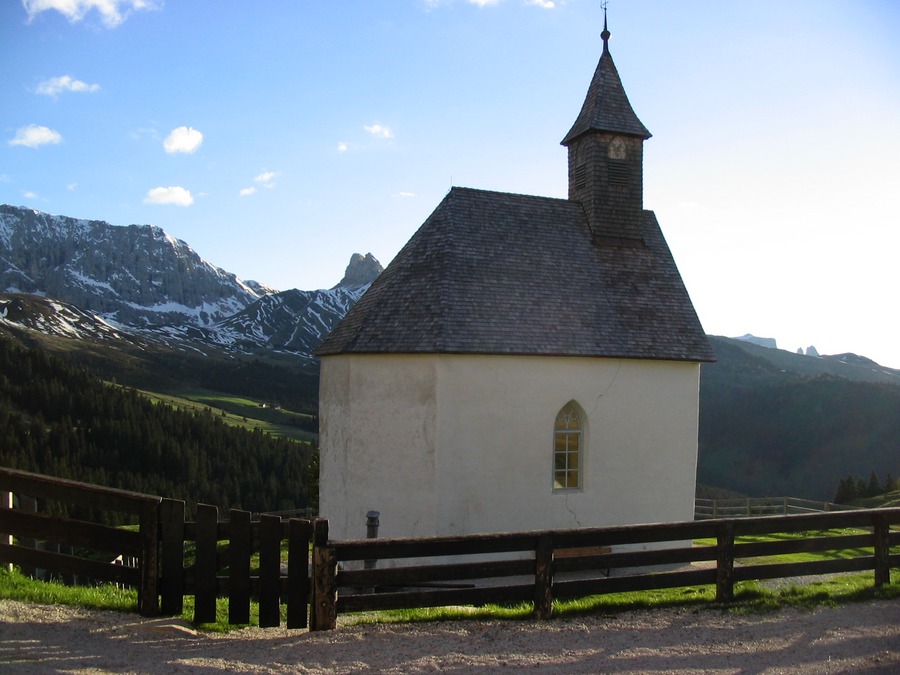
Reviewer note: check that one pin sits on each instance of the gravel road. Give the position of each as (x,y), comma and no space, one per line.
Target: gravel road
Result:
(854,638)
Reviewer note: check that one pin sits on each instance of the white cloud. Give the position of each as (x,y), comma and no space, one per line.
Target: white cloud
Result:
(183,139)
(406,195)
(71,187)
(30,195)
(265,178)
(483,3)
(169,195)
(379,130)
(34,136)
(56,85)
(343,147)
(546,4)
(112,12)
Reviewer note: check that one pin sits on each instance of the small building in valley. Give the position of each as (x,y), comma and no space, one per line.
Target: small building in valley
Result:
(524,362)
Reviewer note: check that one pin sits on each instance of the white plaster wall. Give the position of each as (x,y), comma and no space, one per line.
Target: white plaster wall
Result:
(473,435)
(377,444)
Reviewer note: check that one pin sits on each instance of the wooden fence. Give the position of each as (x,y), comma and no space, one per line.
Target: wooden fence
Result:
(232,568)
(540,567)
(747,507)
(206,558)
(243,557)
(141,545)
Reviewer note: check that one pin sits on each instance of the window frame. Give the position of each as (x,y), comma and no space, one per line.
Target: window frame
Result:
(570,412)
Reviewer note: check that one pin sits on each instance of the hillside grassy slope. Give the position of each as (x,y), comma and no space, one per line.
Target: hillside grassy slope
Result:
(776,423)
(61,420)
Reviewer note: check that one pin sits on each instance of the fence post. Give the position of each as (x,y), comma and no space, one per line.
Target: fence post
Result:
(324,595)
(299,536)
(171,517)
(148,594)
(6,502)
(725,562)
(239,551)
(881,532)
(543,577)
(206,567)
(29,505)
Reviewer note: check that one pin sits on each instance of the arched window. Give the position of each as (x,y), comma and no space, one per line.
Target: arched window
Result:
(568,442)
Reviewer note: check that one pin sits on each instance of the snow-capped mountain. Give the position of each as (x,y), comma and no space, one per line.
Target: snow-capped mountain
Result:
(137,280)
(61,319)
(136,275)
(292,321)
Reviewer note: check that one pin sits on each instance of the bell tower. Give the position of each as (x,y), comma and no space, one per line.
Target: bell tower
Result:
(606,157)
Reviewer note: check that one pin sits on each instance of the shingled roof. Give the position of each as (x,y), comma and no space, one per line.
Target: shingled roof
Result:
(606,106)
(497,273)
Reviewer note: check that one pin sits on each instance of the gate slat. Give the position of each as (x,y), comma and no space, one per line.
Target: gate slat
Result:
(205,566)
(269,571)
(239,551)
(298,573)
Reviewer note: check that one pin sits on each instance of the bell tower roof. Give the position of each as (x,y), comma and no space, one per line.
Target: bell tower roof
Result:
(606,106)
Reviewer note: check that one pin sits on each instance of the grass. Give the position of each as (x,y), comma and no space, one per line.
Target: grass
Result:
(240,412)
(16,586)
(750,597)
(831,554)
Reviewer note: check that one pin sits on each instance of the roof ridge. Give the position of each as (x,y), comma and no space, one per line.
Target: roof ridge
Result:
(507,194)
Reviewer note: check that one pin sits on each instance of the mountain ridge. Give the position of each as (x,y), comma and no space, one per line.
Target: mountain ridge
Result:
(140,281)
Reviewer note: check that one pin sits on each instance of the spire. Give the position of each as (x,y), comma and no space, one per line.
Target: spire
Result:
(605,34)
(606,149)
(606,106)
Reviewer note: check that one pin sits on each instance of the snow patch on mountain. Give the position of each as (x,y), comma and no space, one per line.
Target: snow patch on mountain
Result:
(138,280)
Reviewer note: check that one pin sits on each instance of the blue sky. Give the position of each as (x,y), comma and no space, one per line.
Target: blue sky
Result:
(278,137)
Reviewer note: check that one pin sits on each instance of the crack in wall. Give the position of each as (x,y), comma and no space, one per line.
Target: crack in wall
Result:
(609,385)
(572,511)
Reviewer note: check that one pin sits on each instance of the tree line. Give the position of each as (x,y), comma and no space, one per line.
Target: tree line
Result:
(852,488)
(765,432)
(62,421)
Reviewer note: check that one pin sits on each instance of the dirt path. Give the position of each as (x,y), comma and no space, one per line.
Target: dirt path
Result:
(853,638)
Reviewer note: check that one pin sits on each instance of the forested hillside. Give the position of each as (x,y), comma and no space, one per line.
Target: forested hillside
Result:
(63,421)
(775,423)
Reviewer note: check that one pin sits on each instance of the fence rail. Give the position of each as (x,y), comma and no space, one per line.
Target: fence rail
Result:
(746,507)
(243,556)
(143,544)
(540,567)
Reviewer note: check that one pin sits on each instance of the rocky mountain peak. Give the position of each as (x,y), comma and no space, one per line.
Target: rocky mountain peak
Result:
(361,271)
(133,275)
(103,281)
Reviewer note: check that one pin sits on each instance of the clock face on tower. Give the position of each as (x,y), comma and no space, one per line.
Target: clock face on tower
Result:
(617,148)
